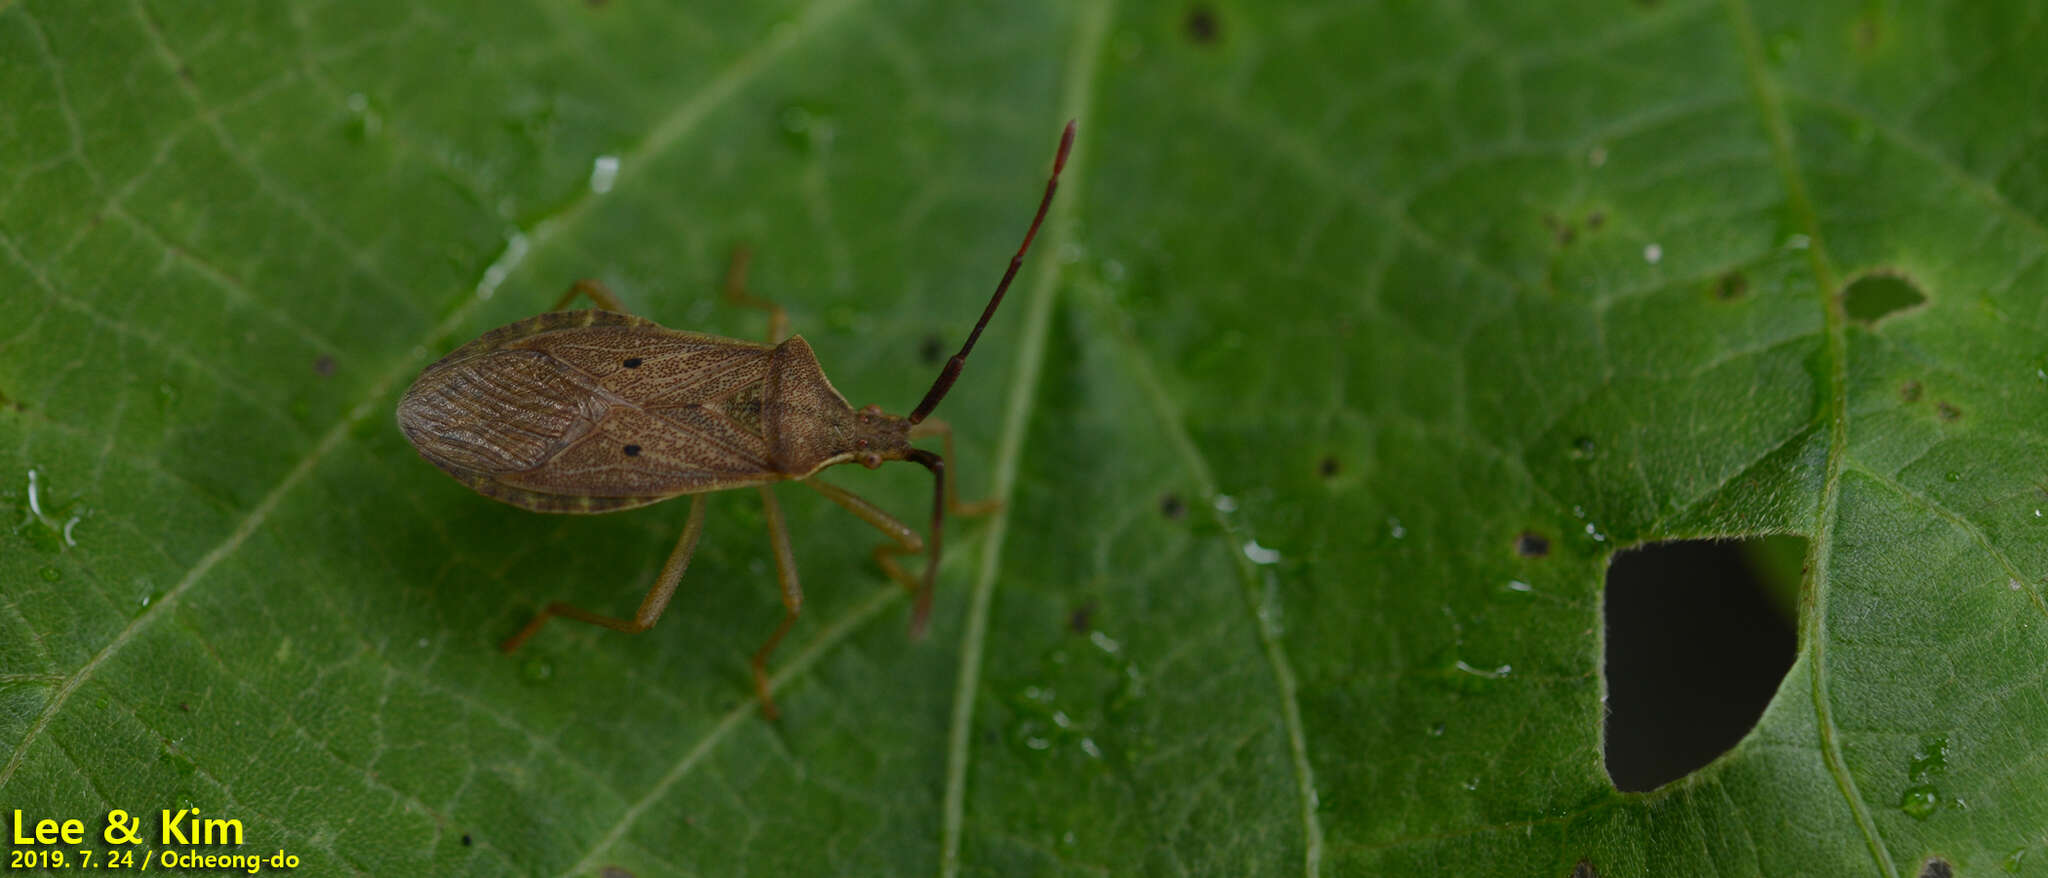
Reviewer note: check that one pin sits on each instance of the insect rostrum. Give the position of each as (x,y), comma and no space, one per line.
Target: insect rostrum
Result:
(599,410)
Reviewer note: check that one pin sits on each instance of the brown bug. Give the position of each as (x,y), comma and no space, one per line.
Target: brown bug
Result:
(598,410)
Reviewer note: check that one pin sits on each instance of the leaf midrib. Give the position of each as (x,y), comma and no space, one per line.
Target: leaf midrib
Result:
(1813,592)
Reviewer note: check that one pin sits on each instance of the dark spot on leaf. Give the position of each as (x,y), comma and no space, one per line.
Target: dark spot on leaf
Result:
(1532,545)
(184,707)
(185,72)
(1560,231)
(1171,506)
(614,872)
(931,349)
(1731,286)
(465,839)
(1585,867)
(1947,411)
(1878,295)
(1595,220)
(631,363)
(1327,467)
(1082,619)
(1910,391)
(1697,642)
(323,365)
(1203,26)
(1936,867)
(632,451)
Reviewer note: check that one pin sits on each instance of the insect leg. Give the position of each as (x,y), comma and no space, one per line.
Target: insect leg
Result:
(955,508)
(650,606)
(902,541)
(598,293)
(736,293)
(792,598)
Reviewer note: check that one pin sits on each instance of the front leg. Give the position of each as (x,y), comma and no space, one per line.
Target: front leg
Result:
(902,541)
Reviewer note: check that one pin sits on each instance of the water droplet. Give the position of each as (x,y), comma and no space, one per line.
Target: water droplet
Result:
(2012,860)
(363,121)
(1593,530)
(1260,554)
(1583,448)
(1471,784)
(1953,476)
(1520,586)
(603,172)
(1653,253)
(1225,503)
(1919,802)
(1088,747)
(1493,674)
(515,252)
(1037,743)
(1931,757)
(1113,271)
(1395,529)
(2012,584)
(1797,242)
(807,127)
(51,574)
(1103,642)
(1436,731)
(1596,156)
(537,670)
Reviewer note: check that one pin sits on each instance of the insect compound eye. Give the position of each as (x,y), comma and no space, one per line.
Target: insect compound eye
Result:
(632,451)
(631,363)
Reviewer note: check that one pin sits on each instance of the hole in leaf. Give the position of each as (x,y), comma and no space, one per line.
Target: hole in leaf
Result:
(1170,505)
(1699,634)
(1936,867)
(1874,297)
(1532,545)
(1585,870)
(1328,467)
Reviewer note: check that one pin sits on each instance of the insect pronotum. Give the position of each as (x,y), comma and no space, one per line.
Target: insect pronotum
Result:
(598,410)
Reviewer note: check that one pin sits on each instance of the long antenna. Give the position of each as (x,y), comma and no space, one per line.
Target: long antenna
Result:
(952,371)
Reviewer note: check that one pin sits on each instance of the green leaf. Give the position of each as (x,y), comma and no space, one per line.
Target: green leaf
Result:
(1336,303)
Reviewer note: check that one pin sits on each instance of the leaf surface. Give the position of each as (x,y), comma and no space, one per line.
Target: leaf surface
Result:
(1338,303)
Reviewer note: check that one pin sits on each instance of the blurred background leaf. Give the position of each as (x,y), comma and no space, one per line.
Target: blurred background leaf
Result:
(1342,304)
